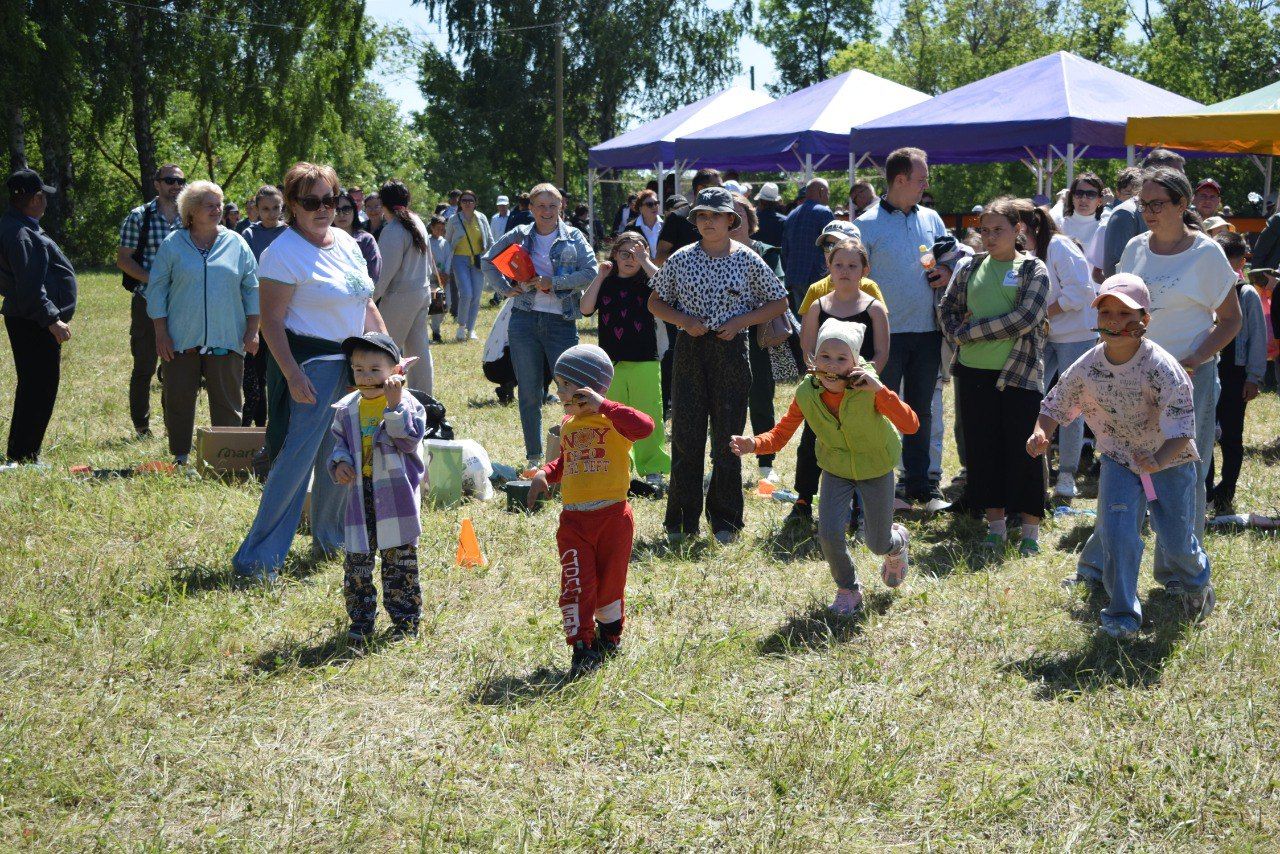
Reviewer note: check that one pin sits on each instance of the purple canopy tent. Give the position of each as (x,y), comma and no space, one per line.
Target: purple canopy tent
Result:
(1057,106)
(652,145)
(798,132)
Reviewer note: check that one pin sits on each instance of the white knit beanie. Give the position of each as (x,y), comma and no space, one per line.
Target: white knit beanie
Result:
(842,330)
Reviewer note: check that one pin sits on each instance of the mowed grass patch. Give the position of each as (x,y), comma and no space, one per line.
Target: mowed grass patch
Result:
(148,702)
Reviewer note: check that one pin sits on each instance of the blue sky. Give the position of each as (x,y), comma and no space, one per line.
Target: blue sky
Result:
(403,87)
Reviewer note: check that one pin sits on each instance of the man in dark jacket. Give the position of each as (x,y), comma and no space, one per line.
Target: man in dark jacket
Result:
(38,286)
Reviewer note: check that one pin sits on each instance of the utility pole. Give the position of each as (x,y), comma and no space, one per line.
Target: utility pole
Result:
(560,105)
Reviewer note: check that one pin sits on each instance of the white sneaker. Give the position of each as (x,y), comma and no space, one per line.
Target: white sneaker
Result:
(462,334)
(1066,486)
(474,337)
(768,475)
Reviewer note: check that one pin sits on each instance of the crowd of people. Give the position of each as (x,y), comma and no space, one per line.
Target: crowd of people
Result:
(1122,319)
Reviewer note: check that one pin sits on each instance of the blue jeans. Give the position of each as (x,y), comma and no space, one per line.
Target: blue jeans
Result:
(1122,506)
(307,447)
(1204,397)
(914,361)
(536,339)
(1057,358)
(470,282)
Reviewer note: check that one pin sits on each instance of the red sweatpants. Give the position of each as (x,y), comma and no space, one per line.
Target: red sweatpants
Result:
(595,548)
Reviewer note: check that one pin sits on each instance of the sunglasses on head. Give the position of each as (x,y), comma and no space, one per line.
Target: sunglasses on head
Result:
(312,204)
(173,179)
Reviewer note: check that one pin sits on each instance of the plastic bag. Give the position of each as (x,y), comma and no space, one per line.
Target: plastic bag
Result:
(476,470)
(444,471)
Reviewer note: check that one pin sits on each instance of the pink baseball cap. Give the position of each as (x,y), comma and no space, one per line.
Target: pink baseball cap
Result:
(1127,288)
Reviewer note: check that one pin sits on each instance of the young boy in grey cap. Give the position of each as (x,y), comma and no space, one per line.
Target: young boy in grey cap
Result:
(596,524)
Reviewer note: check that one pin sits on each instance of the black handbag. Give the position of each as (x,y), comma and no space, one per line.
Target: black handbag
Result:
(129,283)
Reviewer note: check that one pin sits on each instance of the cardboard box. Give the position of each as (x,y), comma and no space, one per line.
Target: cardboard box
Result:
(228,449)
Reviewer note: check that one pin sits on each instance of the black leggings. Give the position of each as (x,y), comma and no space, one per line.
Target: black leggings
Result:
(1001,474)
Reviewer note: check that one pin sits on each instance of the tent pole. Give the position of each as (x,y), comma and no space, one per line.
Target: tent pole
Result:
(1071,162)
(852,170)
(591,206)
(1266,186)
(808,168)
(662,183)
(677,168)
(1128,155)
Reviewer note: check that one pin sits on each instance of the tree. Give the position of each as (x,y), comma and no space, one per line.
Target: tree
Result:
(491,115)
(804,35)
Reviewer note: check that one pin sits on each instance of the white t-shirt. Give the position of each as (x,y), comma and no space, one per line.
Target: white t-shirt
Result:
(1082,228)
(1071,283)
(331,286)
(550,303)
(1185,289)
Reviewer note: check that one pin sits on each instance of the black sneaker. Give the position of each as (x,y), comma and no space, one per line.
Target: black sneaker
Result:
(801,515)
(607,648)
(407,629)
(585,659)
(435,337)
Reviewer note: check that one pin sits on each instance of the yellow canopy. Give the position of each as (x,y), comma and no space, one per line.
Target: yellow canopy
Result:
(1256,132)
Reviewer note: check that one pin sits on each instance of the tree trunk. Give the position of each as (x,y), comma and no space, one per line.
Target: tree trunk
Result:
(17,133)
(55,149)
(140,95)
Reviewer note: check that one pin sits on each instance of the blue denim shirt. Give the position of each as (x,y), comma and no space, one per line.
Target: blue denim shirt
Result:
(206,298)
(572,260)
(801,258)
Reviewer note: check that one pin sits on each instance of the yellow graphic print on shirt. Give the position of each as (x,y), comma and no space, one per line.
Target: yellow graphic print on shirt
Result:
(596,462)
(371,410)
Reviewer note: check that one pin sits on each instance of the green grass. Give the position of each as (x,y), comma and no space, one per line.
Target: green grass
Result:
(147,703)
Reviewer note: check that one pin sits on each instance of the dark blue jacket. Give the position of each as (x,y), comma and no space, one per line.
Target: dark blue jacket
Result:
(37,281)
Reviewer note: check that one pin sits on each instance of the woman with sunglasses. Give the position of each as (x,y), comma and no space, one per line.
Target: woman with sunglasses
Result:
(648,222)
(1194,314)
(314,293)
(470,237)
(346,219)
(1082,209)
(628,334)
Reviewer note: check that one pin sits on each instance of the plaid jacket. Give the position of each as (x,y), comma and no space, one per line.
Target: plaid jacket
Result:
(802,260)
(1026,322)
(398,472)
(131,228)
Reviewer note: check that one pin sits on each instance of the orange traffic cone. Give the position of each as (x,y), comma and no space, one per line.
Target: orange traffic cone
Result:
(765,489)
(469,553)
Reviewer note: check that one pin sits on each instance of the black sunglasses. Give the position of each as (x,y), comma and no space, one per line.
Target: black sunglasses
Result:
(467,199)
(173,179)
(651,204)
(312,204)
(1085,194)
(345,209)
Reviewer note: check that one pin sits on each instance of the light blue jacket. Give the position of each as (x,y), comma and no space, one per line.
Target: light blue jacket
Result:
(1250,346)
(572,260)
(206,298)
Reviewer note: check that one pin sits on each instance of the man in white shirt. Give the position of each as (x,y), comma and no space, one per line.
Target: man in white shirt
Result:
(498,222)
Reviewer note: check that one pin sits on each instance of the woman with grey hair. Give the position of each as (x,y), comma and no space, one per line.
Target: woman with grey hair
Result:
(203,300)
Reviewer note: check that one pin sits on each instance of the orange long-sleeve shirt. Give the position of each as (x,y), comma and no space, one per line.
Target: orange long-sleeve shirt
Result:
(888,404)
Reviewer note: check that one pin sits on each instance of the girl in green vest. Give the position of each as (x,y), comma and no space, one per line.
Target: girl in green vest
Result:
(856,421)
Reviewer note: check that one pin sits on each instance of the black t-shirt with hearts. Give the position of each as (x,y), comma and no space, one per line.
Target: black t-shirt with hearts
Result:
(627,331)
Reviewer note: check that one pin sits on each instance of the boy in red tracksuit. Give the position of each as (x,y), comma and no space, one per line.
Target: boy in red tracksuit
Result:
(596,524)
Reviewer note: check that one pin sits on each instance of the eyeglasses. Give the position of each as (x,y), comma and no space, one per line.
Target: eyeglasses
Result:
(345,209)
(214,206)
(625,255)
(467,201)
(173,179)
(1085,194)
(311,204)
(1155,205)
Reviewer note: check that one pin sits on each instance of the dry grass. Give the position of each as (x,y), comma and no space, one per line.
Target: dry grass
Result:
(146,702)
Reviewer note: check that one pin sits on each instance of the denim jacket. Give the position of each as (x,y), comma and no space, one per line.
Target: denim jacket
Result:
(572,260)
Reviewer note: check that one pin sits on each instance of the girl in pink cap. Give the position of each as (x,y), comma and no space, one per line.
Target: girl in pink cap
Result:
(1137,400)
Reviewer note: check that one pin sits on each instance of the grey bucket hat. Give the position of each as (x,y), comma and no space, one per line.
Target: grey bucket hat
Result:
(716,200)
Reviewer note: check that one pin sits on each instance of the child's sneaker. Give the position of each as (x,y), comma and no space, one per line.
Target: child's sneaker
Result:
(1198,606)
(894,569)
(586,658)
(1066,485)
(801,515)
(993,542)
(769,475)
(847,603)
(399,631)
(1029,547)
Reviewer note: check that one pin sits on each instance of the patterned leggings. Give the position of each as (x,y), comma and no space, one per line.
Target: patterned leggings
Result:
(401,595)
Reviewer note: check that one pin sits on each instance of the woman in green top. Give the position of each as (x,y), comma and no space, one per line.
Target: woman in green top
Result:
(994,311)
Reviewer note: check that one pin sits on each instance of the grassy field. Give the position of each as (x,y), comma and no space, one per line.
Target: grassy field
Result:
(147,703)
